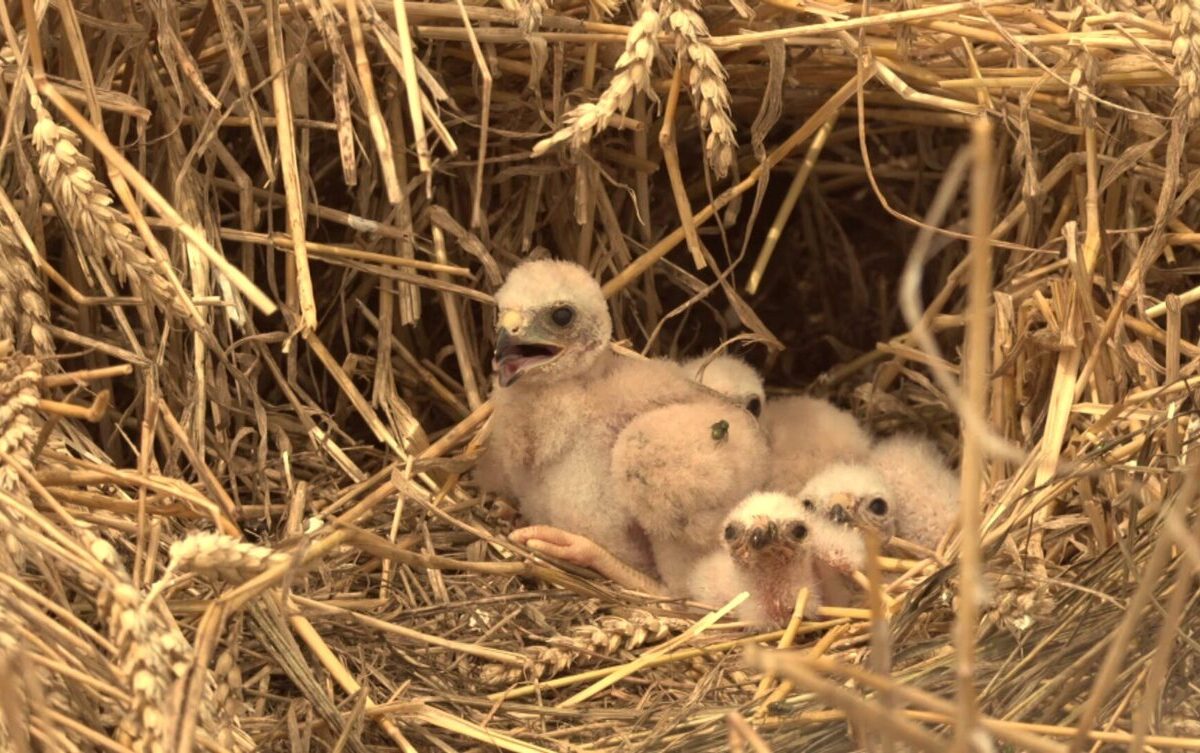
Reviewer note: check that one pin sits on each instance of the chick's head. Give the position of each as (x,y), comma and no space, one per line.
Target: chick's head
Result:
(553,323)
(766,530)
(852,495)
(730,376)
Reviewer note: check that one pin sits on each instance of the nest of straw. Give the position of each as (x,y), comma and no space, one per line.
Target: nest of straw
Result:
(247,252)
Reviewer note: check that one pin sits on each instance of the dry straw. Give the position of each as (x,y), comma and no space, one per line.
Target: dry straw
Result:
(261,242)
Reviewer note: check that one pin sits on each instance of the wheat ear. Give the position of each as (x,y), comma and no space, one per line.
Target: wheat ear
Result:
(19,391)
(706,81)
(216,554)
(1185,46)
(584,644)
(20,377)
(530,13)
(23,312)
(87,204)
(632,76)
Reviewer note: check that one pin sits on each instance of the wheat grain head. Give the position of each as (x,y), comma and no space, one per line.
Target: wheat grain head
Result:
(632,75)
(87,203)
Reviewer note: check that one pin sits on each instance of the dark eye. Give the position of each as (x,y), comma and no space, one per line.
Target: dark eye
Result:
(563,315)
(878,506)
(731,531)
(798,531)
(808,504)
(754,406)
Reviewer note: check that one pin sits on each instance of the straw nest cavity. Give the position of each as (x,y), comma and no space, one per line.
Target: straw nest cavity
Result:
(247,258)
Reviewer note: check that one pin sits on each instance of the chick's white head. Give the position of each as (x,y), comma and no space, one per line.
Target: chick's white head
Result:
(766,530)
(852,495)
(553,323)
(730,376)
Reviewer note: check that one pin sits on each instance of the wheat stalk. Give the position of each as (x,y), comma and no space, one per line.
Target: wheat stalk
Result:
(23,312)
(632,76)
(216,554)
(584,644)
(706,81)
(87,204)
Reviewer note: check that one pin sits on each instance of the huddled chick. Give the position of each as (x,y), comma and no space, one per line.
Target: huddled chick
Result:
(806,435)
(772,546)
(679,470)
(730,376)
(924,491)
(902,489)
(563,401)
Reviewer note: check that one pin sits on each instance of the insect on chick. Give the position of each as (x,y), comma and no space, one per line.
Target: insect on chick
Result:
(720,430)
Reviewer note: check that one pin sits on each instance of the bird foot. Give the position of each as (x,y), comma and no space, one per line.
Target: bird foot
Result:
(566,546)
(582,551)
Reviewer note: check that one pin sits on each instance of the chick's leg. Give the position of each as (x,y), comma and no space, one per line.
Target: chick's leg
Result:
(582,551)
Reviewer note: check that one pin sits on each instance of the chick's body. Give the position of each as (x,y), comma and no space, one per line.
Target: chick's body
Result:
(807,435)
(678,470)
(562,401)
(556,441)
(924,490)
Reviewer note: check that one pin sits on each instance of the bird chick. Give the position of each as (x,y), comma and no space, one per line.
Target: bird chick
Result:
(679,470)
(924,491)
(852,495)
(772,547)
(730,376)
(563,396)
(807,435)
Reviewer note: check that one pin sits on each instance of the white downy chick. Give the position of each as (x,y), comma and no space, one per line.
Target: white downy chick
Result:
(772,547)
(563,395)
(680,469)
(807,435)
(853,495)
(730,376)
(924,490)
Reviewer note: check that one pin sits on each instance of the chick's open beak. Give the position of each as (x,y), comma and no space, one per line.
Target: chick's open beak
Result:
(517,353)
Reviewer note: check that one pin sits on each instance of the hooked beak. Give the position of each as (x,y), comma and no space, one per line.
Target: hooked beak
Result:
(761,542)
(761,536)
(838,514)
(515,355)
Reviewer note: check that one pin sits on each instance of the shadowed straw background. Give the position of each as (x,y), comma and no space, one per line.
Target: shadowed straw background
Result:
(248,250)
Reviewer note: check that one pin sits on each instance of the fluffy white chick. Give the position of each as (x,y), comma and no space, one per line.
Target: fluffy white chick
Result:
(772,547)
(924,491)
(679,470)
(807,435)
(853,495)
(563,396)
(730,376)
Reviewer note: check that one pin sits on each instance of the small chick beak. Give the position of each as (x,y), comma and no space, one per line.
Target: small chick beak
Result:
(838,514)
(763,536)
